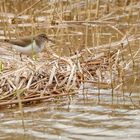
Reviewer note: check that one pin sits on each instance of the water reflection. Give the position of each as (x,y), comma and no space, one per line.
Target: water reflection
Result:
(82,117)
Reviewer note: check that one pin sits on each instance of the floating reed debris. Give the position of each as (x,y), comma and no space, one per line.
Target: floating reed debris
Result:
(59,76)
(38,80)
(98,44)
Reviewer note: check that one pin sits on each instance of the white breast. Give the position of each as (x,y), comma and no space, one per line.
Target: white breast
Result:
(30,49)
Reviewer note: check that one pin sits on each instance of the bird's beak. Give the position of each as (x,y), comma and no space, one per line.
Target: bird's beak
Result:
(51,40)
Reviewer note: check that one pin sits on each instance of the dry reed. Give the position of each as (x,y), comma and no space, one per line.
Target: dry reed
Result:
(97,44)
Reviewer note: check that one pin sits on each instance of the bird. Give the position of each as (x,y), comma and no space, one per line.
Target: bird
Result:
(29,45)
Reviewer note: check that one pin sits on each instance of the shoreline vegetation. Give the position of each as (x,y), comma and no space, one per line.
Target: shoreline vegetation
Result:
(97,42)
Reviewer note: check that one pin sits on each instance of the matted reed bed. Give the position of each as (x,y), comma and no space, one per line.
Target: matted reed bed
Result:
(101,38)
(52,77)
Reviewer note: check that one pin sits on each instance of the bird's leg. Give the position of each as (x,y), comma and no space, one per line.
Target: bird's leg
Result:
(34,57)
(21,56)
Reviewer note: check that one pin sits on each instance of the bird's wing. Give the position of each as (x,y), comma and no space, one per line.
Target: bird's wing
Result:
(20,42)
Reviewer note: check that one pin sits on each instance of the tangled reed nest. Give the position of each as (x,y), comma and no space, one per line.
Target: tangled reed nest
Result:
(108,30)
(45,79)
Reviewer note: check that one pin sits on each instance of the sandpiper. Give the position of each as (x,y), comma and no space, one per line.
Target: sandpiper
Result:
(29,45)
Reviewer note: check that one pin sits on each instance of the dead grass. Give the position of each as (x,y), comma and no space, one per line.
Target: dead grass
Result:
(96,42)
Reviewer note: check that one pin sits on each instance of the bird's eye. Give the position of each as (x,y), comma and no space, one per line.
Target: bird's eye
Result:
(44,36)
